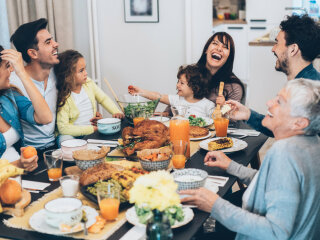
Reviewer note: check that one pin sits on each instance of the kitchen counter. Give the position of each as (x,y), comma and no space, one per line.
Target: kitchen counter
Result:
(262,41)
(217,22)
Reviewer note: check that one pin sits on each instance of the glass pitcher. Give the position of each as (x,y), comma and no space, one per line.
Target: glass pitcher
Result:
(179,126)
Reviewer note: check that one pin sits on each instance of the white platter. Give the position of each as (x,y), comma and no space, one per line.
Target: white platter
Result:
(160,119)
(201,138)
(237,145)
(38,223)
(208,121)
(133,219)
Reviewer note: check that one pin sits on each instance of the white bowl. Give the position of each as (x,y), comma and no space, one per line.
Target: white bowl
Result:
(63,211)
(71,145)
(109,126)
(189,178)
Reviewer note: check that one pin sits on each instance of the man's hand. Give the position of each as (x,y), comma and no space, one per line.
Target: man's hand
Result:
(118,115)
(202,198)
(239,111)
(29,164)
(217,159)
(95,119)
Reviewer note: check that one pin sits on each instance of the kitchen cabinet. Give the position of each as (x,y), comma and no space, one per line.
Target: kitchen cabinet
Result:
(264,81)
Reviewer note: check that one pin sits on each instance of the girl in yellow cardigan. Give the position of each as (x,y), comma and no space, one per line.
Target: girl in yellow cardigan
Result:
(77,95)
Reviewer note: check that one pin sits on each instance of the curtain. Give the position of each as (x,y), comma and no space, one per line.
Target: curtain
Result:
(58,12)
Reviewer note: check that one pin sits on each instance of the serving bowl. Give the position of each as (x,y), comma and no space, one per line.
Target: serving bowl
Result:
(137,106)
(109,126)
(189,178)
(85,159)
(63,211)
(154,165)
(71,145)
(155,159)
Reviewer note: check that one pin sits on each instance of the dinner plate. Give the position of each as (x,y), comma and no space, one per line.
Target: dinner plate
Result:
(237,145)
(90,146)
(38,223)
(201,138)
(133,218)
(160,119)
(208,121)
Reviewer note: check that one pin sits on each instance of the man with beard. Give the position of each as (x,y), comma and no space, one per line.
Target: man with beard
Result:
(40,52)
(297,45)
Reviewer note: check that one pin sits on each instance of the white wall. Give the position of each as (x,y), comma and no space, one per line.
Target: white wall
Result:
(145,54)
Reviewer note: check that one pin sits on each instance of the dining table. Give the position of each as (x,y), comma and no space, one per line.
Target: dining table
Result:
(245,157)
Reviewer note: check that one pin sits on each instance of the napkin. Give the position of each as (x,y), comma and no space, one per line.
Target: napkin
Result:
(34,185)
(135,233)
(213,182)
(247,132)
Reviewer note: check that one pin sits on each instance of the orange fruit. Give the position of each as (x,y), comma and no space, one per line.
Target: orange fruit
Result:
(10,192)
(29,152)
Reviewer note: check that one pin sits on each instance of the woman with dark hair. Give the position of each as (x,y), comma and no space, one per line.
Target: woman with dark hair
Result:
(216,64)
(13,106)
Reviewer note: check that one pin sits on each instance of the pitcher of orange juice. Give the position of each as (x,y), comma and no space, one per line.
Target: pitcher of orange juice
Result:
(179,126)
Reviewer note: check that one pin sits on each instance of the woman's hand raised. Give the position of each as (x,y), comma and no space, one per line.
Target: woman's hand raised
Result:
(15,59)
(217,159)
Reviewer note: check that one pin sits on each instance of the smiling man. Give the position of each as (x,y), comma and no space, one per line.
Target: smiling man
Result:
(40,52)
(297,45)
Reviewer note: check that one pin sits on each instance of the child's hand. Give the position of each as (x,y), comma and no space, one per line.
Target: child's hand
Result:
(29,164)
(95,119)
(220,100)
(134,90)
(118,115)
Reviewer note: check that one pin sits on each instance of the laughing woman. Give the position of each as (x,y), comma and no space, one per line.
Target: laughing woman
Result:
(216,64)
(13,106)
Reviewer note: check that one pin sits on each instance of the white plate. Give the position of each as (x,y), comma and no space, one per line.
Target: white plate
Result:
(201,138)
(237,145)
(133,219)
(90,146)
(208,121)
(160,119)
(38,223)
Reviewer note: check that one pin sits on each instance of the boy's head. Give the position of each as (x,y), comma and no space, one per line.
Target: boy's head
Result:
(191,82)
(35,42)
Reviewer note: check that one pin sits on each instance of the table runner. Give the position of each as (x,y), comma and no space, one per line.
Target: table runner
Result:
(23,222)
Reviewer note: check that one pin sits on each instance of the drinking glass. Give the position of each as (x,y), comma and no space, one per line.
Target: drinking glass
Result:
(179,150)
(221,126)
(109,201)
(53,160)
(69,185)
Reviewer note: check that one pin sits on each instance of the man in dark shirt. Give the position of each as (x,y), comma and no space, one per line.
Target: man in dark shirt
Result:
(297,45)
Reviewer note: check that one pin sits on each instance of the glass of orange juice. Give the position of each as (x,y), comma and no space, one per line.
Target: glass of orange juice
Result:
(179,150)
(221,126)
(109,201)
(53,160)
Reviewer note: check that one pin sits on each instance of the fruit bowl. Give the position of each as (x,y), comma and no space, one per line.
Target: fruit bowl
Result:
(137,106)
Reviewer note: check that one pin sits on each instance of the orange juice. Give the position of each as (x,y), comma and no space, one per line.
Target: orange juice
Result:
(178,161)
(221,126)
(54,174)
(136,120)
(179,130)
(109,208)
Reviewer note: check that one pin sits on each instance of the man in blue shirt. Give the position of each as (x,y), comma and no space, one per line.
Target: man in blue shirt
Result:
(297,45)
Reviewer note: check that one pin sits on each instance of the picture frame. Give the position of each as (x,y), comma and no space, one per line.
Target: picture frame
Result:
(141,11)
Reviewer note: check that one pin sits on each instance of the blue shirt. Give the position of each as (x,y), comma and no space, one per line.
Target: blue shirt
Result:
(13,106)
(40,136)
(284,202)
(255,120)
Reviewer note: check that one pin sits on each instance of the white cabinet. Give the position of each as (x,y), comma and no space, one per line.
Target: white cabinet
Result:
(239,34)
(264,81)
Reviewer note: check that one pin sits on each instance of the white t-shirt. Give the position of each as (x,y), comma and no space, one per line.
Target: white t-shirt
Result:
(202,108)
(11,136)
(40,136)
(85,107)
(247,193)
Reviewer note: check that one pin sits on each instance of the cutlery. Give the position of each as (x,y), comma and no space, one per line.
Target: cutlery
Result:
(84,219)
(37,173)
(98,141)
(36,190)
(218,177)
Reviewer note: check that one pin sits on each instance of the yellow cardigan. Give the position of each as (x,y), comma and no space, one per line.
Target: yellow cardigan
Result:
(69,112)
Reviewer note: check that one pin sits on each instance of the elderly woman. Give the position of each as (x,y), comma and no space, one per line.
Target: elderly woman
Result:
(14,106)
(282,199)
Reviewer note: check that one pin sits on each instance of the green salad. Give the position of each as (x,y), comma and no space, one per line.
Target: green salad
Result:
(145,109)
(197,121)
(173,213)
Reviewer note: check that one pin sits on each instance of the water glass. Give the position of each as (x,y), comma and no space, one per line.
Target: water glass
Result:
(53,160)
(109,201)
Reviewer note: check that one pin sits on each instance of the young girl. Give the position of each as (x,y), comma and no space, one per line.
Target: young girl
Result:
(191,93)
(77,95)
(14,106)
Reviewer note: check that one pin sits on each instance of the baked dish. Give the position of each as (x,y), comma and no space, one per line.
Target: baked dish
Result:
(197,132)
(220,143)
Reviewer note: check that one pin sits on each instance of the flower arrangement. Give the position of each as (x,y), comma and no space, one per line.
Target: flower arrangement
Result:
(156,190)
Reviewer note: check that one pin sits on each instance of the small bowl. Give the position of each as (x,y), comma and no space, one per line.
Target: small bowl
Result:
(71,145)
(154,165)
(109,126)
(190,178)
(85,164)
(63,211)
